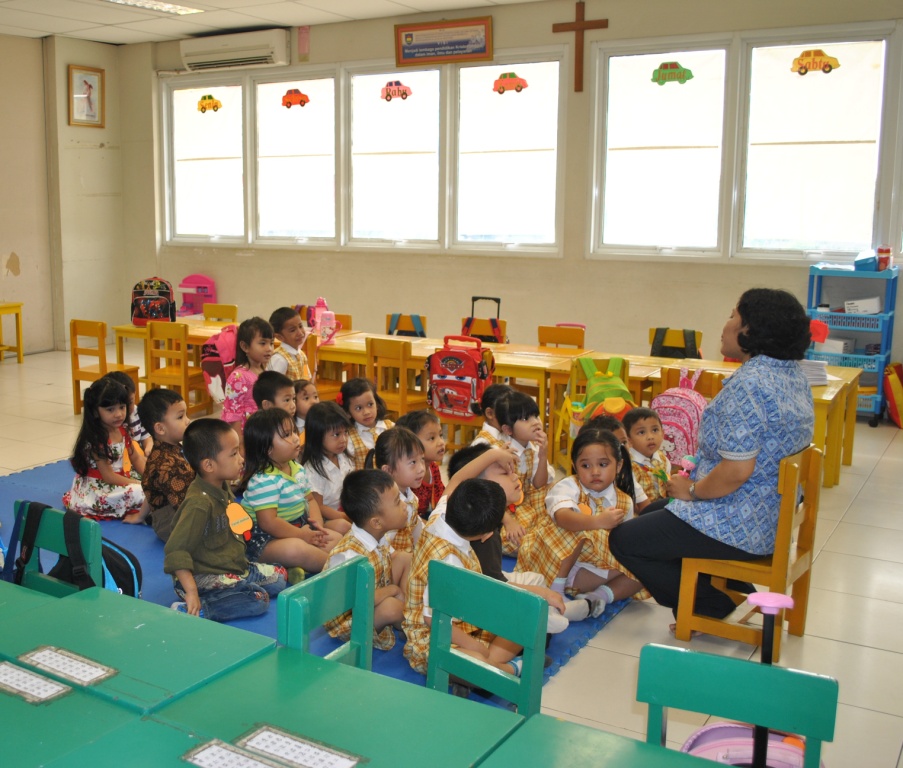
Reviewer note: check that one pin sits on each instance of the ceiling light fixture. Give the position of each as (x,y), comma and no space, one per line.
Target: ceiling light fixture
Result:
(157,5)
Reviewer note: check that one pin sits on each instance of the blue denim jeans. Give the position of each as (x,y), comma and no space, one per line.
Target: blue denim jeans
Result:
(225,597)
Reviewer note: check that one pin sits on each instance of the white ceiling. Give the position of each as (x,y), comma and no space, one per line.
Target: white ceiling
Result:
(107,22)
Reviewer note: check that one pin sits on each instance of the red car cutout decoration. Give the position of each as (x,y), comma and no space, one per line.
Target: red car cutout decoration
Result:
(294,96)
(395,89)
(509,82)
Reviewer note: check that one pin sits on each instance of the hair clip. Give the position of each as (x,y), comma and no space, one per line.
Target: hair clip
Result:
(340,400)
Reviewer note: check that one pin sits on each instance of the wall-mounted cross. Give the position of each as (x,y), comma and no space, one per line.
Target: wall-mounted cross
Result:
(579,27)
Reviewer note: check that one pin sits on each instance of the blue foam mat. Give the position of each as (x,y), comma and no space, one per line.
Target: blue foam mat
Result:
(48,483)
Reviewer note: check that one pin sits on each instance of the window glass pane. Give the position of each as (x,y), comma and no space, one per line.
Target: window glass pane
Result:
(296,159)
(663,153)
(207,157)
(812,157)
(508,153)
(395,156)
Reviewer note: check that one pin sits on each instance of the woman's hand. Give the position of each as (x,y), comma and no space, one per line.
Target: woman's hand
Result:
(678,487)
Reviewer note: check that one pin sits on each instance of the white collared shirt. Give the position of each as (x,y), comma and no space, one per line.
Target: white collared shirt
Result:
(369,543)
(330,487)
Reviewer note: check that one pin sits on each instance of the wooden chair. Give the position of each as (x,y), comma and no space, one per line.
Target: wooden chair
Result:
(327,388)
(405,325)
(459,433)
(344,322)
(169,365)
(514,614)
(708,384)
(482,329)
(307,605)
(221,313)
(788,568)
(562,335)
(96,330)
(395,374)
(50,537)
(675,339)
(781,699)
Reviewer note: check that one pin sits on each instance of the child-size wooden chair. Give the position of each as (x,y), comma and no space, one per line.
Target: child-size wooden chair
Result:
(169,365)
(790,567)
(304,607)
(562,335)
(674,342)
(518,616)
(95,330)
(406,325)
(327,388)
(708,384)
(781,699)
(395,374)
(221,313)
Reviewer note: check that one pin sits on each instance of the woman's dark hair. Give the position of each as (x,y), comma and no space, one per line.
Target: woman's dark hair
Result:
(93,438)
(624,478)
(322,418)
(260,430)
(776,324)
(489,398)
(392,446)
(514,406)
(357,387)
(250,328)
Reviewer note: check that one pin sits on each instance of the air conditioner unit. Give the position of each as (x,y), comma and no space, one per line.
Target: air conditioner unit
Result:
(266,48)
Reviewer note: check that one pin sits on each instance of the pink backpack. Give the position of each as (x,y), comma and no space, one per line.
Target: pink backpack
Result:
(732,744)
(218,360)
(680,410)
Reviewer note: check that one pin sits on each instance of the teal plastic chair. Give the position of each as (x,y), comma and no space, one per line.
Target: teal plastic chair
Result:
(50,537)
(781,699)
(312,602)
(514,614)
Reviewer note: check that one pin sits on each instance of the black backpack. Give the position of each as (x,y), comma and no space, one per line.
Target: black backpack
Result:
(687,350)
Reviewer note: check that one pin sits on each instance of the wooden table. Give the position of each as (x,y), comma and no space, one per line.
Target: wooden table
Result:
(387,721)
(158,653)
(552,743)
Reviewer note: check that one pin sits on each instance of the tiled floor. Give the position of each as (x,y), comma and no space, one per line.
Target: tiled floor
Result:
(855,626)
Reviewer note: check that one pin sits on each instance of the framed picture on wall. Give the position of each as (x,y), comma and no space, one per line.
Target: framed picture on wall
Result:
(437,42)
(87,96)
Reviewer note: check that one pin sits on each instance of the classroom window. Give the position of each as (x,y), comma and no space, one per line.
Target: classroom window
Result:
(507,159)
(812,148)
(296,159)
(207,161)
(663,149)
(395,120)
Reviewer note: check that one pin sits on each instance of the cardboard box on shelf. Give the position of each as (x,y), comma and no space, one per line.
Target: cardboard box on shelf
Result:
(838,345)
(869,306)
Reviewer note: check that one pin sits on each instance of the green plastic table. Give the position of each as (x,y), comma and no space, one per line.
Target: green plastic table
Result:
(15,600)
(389,722)
(159,654)
(554,743)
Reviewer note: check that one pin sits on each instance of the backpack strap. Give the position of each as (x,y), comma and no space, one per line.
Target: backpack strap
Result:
(658,342)
(496,330)
(80,576)
(8,573)
(690,344)
(393,323)
(33,515)
(615,366)
(418,326)
(589,366)
(468,324)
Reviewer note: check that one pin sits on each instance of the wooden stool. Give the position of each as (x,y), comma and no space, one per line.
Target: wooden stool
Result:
(12,308)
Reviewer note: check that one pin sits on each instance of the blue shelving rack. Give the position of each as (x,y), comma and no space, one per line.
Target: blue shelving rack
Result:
(875,359)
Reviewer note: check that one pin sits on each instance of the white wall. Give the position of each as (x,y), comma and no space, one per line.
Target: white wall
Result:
(24,220)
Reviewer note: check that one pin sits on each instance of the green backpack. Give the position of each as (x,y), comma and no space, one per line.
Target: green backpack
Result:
(606,393)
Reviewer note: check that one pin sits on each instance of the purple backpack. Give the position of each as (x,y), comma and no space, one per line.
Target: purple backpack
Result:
(680,410)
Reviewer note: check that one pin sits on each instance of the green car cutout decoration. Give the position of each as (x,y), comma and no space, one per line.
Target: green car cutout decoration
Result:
(671,71)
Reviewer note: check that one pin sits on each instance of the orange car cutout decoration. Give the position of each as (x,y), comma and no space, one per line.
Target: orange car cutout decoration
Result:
(509,81)
(208,102)
(395,89)
(671,72)
(814,60)
(294,96)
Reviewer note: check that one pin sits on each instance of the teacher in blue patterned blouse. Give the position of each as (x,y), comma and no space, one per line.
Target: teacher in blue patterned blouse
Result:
(728,508)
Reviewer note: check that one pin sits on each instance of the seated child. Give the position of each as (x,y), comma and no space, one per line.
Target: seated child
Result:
(368,416)
(139,434)
(428,428)
(289,357)
(253,350)
(274,390)
(372,501)
(206,559)
(107,463)
(326,460)
(570,546)
(491,431)
(651,467)
(522,432)
(473,513)
(167,473)
(614,426)
(306,396)
(288,527)
(399,452)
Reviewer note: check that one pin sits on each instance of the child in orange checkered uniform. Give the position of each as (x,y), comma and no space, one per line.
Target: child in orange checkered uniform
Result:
(372,500)
(521,431)
(570,546)
(368,412)
(399,452)
(473,513)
